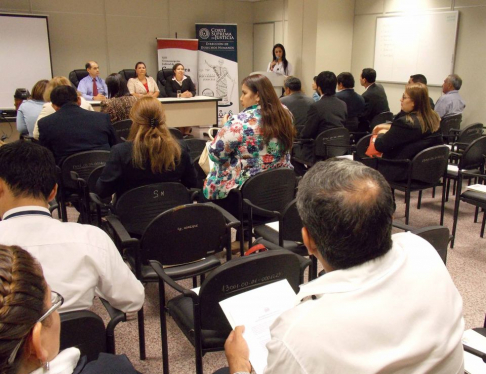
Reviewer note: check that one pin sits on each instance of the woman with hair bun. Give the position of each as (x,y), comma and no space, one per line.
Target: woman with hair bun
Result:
(151,154)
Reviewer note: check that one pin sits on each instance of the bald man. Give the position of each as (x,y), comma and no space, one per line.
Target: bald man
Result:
(93,87)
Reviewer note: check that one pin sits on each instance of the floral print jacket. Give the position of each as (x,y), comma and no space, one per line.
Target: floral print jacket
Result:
(239,152)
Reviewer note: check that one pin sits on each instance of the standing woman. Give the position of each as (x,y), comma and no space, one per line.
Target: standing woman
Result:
(30,109)
(180,82)
(255,140)
(119,100)
(279,64)
(142,85)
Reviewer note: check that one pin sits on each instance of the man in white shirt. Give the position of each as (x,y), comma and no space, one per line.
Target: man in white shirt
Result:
(79,261)
(386,303)
(450,103)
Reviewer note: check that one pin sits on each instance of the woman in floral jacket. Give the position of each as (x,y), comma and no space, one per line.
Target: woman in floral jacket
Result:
(257,139)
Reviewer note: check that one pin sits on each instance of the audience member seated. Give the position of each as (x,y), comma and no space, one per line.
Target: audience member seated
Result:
(142,85)
(30,109)
(48,109)
(450,103)
(296,101)
(180,82)
(80,261)
(354,102)
(20,95)
(151,155)
(257,139)
(375,98)
(315,95)
(411,133)
(416,78)
(119,100)
(71,129)
(386,304)
(92,87)
(327,113)
(31,326)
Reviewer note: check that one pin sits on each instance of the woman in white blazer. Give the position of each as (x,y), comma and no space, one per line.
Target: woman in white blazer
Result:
(143,85)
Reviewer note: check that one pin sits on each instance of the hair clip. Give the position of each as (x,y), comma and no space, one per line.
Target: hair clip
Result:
(154,122)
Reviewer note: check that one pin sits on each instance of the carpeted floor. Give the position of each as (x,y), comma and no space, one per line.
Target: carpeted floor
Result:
(466,264)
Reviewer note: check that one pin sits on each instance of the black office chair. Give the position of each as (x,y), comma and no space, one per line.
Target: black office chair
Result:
(201,318)
(127,74)
(475,352)
(465,136)
(424,171)
(384,117)
(122,129)
(162,76)
(449,125)
(196,147)
(76,76)
(176,133)
(83,163)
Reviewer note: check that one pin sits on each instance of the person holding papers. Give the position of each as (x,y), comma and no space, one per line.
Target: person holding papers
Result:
(386,304)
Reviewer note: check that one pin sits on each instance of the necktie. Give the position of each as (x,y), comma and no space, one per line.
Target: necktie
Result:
(95,88)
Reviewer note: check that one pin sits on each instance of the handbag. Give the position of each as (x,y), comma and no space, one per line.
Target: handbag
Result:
(371,151)
(204,162)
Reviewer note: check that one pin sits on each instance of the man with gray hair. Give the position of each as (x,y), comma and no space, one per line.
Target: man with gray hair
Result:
(297,102)
(386,304)
(451,102)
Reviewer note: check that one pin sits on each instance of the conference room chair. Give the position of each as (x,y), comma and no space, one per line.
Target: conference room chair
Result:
(83,163)
(196,147)
(133,211)
(287,234)
(465,136)
(384,117)
(86,331)
(122,129)
(199,315)
(162,76)
(330,143)
(76,75)
(449,125)
(176,133)
(128,74)
(422,172)
(475,352)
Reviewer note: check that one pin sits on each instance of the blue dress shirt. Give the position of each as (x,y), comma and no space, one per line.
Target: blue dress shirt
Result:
(86,87)
(449,104)
(27,115)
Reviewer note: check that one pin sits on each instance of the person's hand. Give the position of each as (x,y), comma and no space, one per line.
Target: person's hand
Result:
(99,97)
(378,128)
(237,351)
(272,64)
(226,118)
(186,94)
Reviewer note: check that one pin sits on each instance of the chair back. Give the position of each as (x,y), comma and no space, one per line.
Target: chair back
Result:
(84,330)
(82,163)
(196,146)
(93,178)
(470,133)
(473,155)
(184,234)
(384,117)
(271,189)
(161,82)
(291,227)
(127,74)
(122,129)
(429,165)
(362,147)
(351,124)
(136,208)
(241,275)
(438,236)
(331,143)
(76,75)
(176,133)
(449,123)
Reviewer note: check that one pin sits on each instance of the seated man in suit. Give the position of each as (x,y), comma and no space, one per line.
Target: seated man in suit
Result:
(450,103)
(297,102)
(72,129)
(354,102)
(375,98)
(79,261)
(92,87)
(327,113)
(386,304)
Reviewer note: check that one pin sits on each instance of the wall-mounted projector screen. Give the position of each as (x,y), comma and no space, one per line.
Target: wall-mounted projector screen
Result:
(25,57)
(416,44)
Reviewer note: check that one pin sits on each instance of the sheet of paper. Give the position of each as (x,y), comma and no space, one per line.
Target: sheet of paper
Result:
(452,168)
(273,225)
(474,364)
(477,188)
(257,310)
(196,290)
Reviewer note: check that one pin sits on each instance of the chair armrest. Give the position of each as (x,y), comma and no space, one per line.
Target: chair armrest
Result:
(195,192)
(116,316)
(454,130)
(231,220)
(100,203)
(400,225)
(259,210)
(475,352)
(170,282)
(476,175)
(126,241)
(303,141)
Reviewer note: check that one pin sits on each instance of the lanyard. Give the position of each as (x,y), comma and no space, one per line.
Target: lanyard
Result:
(28,212)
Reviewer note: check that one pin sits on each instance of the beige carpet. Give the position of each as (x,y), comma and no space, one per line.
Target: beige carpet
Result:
(466,264)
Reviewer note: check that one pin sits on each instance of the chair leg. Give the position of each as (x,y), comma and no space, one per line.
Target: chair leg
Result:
(433,192)
(456,212)
(454,188)
(141,334)
(407,206)
(419,201)
(476,214)
(482,225)
(448,187)
(163,329)
(442,206)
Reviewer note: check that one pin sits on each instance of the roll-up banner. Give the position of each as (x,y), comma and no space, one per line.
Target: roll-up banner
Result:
(184,51)
(218,65)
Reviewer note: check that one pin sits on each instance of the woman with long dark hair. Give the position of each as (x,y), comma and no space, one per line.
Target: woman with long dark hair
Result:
(119,102)
(142,85)
(279,63)
(180,82)
(257,139)
(151,154)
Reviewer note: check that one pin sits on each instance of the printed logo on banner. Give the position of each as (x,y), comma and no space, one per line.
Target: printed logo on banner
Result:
(204,33)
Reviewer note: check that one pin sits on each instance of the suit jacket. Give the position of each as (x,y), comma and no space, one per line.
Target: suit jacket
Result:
(355,105)
(298,104)
(73,129)
(171,87)
(376,102)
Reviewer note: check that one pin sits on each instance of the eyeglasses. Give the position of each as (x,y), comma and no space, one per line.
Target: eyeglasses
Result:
(57,300)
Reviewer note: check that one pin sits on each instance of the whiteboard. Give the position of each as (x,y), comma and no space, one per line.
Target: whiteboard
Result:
(416,44)
(25,57)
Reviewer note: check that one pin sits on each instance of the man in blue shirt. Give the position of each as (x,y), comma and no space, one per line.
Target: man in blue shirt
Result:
(93,87)
(451,102)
